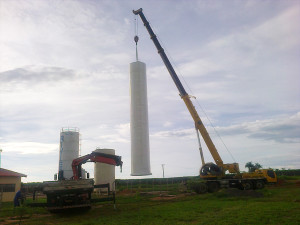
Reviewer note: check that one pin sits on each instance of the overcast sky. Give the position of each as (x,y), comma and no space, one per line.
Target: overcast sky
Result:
(66,63)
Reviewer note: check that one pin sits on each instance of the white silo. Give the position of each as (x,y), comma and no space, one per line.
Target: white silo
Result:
(105,173)
(68,150)
(140,150)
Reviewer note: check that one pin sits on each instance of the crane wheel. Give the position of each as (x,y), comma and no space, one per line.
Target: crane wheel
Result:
(202,188)
(210,169)
(213,187)
(199,188)
(259,184)
(248,185)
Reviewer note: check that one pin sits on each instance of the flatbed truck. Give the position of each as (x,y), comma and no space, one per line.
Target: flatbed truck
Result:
(76,192)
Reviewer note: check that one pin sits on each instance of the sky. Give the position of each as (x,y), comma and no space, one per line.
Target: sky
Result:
(66,64)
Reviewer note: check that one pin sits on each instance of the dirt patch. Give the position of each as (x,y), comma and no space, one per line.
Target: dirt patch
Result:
(97,206)
(15,219)
(126,192)
(280,182)
(286,183)
(242,193)
(160,193)
(170,197)
(12,221)
(164,198)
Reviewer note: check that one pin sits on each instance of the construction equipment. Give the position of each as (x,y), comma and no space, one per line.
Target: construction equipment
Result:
(214,173)
(94,157)
(76,193)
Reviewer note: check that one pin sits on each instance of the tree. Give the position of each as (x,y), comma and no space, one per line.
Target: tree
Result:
(257,166)
(252,167)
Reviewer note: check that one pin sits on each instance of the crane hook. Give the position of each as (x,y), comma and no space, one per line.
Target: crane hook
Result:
(136,39)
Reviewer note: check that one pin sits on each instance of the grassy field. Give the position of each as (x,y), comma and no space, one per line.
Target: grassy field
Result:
(277,204)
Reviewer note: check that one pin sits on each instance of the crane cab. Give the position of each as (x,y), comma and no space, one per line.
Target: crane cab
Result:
(269,174)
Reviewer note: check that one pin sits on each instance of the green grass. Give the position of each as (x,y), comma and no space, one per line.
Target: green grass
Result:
(275,205)
(284,177)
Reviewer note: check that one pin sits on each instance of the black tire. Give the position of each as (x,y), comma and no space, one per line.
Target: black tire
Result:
(213,187)
(248,185)
(202,188)
(259,184)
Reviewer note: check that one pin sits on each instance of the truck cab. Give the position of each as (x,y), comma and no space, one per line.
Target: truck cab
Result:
(269,174)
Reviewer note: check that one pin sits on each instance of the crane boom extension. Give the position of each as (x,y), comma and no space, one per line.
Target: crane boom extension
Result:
(94,157)
(184,95)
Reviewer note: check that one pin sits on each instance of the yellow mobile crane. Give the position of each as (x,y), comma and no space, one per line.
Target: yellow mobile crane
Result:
(213,173)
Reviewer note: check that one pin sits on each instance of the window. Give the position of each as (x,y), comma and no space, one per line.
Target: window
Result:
(271,173)
(7,187)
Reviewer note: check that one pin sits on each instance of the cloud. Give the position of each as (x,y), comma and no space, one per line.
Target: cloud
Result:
(167,124)
(275,33)
(182,133)
(199,67)
(283,130)
(32,75)
(59,33)
(119,134)
(248,44)
(29,147)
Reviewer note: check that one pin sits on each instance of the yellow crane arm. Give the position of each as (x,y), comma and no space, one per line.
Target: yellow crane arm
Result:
(198,123)
(221,168)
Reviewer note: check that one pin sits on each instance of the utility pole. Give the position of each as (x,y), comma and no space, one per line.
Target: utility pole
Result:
(163,169)
(0,157)
(1,188)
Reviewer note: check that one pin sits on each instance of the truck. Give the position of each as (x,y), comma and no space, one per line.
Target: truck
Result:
(76,192)
(218,174)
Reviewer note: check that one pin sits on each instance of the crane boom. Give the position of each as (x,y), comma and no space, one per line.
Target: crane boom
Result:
(94,157)
(213,173)
(184,95)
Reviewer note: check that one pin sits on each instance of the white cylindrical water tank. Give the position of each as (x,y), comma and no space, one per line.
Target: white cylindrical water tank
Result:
(69,150)
(140,150)
(105,173)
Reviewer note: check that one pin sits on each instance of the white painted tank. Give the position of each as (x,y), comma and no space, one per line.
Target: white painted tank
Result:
(104,173)
(69,150)
(140,150)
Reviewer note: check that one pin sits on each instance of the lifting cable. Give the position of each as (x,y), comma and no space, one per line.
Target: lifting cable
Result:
(190,90)
(136,37)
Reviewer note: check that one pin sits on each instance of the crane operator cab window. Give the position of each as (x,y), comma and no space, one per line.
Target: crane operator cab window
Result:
(271,173)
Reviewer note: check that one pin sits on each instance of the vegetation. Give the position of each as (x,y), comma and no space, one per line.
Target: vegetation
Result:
(145,204)
(288,172)
(252,167)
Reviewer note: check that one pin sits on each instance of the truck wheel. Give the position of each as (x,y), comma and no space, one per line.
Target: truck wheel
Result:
(202,188)
(259,184)
(248,185)
(213,187)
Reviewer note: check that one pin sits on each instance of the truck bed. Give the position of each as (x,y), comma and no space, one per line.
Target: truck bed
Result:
(66,194)
(65,186)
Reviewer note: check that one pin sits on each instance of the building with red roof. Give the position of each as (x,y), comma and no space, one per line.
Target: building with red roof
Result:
(10,183)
